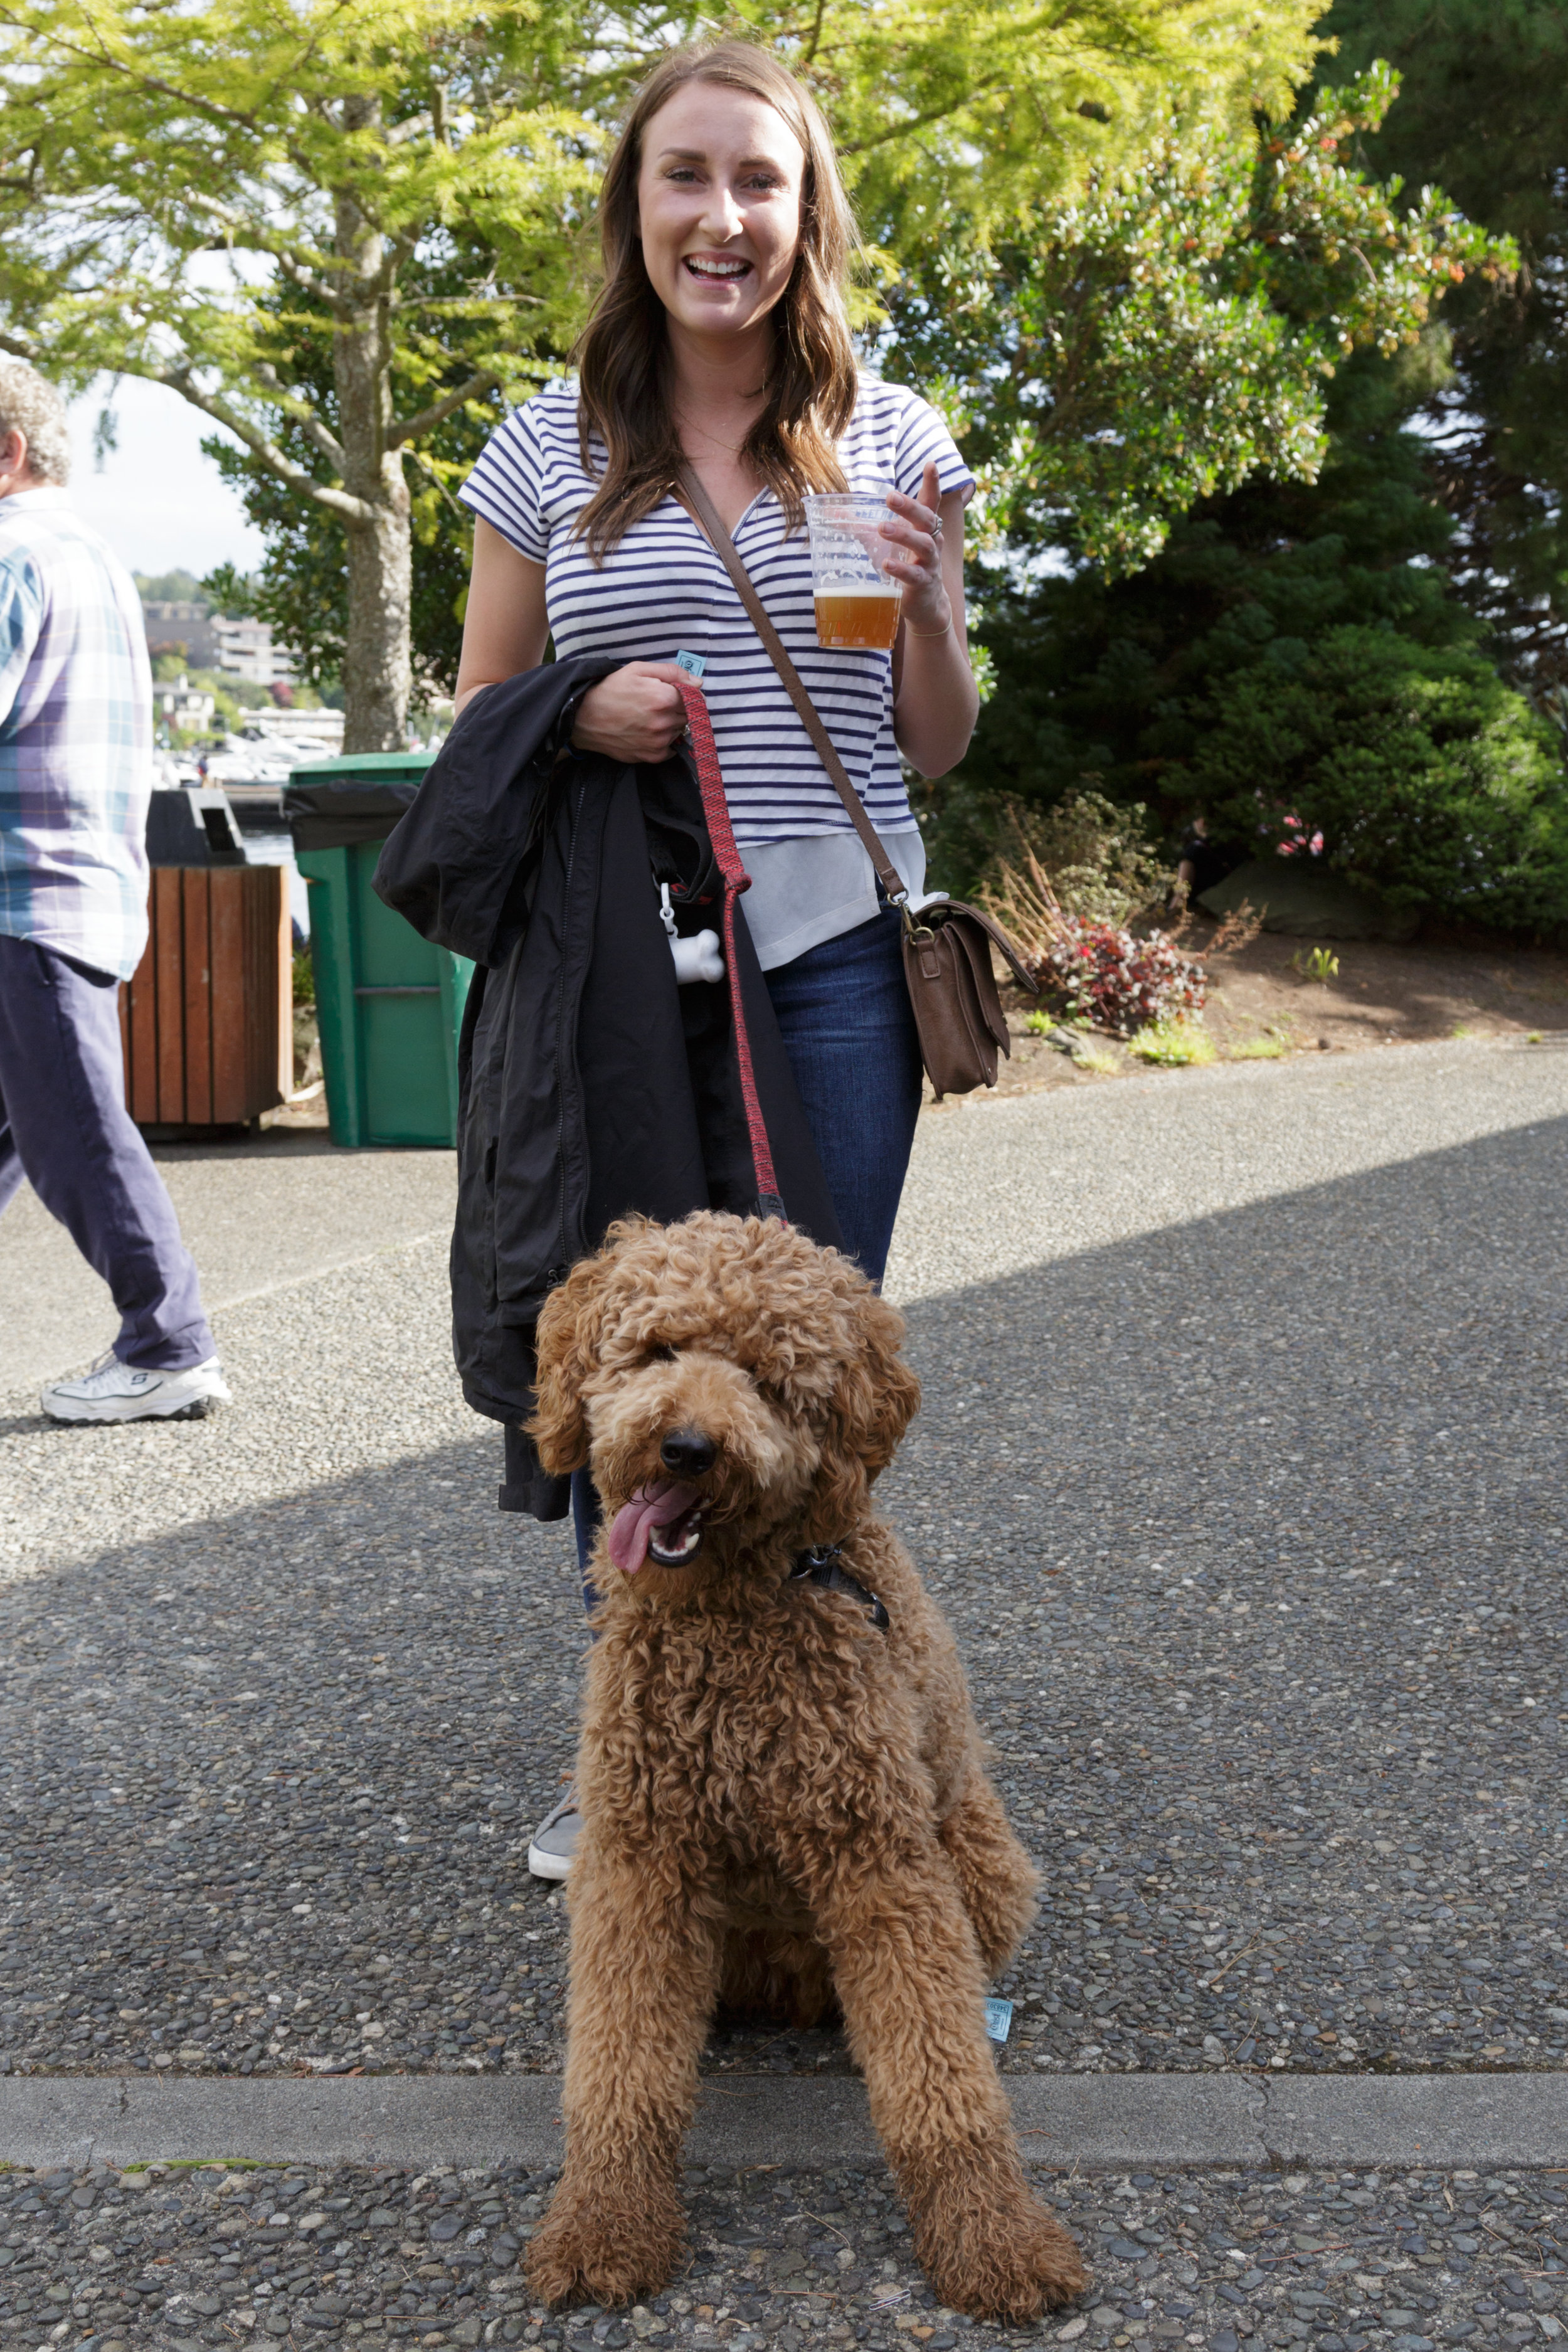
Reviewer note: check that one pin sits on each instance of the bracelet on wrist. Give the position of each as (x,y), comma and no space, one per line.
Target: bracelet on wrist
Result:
(929,637)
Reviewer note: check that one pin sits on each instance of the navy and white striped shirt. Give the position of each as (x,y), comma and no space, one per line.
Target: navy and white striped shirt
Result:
(664,590)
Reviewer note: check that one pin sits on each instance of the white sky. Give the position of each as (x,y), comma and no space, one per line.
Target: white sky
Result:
(158,501)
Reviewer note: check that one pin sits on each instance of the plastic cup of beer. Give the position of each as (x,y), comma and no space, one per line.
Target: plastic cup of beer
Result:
(856,604)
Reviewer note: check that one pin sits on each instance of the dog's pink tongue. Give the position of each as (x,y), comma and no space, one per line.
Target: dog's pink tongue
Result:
(650,1506)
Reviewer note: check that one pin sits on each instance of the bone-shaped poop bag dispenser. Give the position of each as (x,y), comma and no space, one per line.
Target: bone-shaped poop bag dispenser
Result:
(697,957)
(701,958)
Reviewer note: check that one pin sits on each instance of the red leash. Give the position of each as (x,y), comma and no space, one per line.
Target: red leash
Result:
(715,809)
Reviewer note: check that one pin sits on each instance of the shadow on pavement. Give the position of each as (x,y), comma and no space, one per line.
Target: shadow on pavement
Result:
(1253,1533)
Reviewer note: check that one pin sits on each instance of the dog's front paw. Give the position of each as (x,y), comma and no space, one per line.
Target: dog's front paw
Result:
(606,2245)
(990,2248)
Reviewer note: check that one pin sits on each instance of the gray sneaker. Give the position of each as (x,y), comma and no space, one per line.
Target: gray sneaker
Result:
(554,1841)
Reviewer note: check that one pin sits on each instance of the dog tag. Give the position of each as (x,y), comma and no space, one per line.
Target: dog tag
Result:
(998,2019)
(692,664)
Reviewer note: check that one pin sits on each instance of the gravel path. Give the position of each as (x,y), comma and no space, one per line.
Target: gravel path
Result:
(1239,1473)
(1233,2261)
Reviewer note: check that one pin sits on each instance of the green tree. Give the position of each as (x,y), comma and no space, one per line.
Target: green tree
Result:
(166,172)
(1175,329)
(168,587)
(1484,109)
(345,229)
(1297,648)
(300,587)
(169,174)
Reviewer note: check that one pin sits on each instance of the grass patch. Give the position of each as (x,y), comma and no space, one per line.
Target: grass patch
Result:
(1316,964)
(1173,1045)
(200,2164)
(1090,1058)
(1535,1037)
(1462,1029)
(1258,1049)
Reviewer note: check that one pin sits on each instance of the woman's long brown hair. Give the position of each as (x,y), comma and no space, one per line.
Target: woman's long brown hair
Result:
(622,357)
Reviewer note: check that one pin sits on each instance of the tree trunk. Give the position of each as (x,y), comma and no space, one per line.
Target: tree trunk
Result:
(376,673)
(376,669)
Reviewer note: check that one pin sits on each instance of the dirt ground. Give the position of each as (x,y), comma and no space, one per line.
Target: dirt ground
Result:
(1262,1003)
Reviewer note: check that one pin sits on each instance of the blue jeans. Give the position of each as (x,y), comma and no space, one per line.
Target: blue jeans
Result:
(844,1012)
(843,1009)
(65,1127)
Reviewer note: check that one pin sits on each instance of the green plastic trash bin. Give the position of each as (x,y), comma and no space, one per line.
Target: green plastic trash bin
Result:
(389,1005)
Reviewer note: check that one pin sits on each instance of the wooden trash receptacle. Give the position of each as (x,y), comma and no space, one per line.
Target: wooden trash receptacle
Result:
(207,1017)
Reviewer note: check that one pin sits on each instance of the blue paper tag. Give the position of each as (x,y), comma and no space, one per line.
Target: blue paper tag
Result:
(998,2019)
(692,664)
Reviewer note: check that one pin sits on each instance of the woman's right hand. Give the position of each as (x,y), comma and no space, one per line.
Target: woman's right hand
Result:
(635,714)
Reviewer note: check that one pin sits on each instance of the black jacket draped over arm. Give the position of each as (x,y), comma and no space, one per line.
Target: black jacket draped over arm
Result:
(591,1087)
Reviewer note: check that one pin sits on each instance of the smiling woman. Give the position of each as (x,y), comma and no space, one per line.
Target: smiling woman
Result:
(720,343)
(719,353)
(722,208)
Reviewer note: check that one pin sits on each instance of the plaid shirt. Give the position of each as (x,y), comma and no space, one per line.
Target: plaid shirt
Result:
(76,736)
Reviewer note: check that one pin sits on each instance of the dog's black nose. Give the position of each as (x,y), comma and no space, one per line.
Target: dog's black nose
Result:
(687,1454)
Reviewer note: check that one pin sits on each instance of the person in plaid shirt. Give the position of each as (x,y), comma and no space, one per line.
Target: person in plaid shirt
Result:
(76,730)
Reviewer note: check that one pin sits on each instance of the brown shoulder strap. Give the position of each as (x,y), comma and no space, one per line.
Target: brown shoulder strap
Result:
(887,872)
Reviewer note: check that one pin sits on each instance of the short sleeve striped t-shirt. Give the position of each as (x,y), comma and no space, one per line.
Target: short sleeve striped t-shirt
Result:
(663,590)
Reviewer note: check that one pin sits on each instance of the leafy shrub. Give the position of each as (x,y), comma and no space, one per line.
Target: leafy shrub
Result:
(1084,858)
(1425,774)
(1174,1044)
(1297,650)
(1120,982)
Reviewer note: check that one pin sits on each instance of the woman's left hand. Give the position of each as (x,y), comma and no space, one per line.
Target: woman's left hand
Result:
(913,534)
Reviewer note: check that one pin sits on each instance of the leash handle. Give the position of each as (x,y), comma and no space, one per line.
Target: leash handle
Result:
(716,811)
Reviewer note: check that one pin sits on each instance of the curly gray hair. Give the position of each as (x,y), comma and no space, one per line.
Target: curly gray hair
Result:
(30,404)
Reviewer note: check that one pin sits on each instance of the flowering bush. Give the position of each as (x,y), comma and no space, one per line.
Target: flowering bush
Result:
(1297,839)
(1119,983)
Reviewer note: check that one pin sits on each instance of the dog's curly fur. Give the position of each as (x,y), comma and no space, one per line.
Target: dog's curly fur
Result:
(783,1807)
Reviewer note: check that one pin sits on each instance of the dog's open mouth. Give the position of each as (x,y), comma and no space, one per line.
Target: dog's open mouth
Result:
(663,1522)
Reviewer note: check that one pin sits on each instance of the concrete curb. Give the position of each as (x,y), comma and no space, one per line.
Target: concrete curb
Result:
(1098,2122)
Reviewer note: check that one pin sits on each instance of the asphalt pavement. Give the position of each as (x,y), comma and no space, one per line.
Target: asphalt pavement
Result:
(260,1214)
(1240,1474)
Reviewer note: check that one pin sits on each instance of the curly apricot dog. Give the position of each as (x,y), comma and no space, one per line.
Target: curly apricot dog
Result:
(783,1796)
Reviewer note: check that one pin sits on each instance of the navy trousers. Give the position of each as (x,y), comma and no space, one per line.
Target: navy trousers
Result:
(65,1127)
(848,1029)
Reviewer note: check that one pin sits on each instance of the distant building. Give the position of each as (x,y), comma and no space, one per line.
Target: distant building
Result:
(186,706)
(206,640)
(244,649)
(184,630)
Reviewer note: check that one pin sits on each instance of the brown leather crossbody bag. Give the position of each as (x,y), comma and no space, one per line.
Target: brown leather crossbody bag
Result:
(947,945)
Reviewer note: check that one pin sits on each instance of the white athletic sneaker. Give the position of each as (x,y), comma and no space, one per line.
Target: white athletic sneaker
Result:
(555,1840)
(117,1392)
